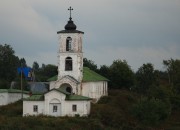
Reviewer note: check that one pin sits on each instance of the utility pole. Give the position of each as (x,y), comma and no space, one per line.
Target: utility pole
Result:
(21,83)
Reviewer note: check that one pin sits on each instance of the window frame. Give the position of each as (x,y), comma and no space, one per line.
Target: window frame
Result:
(68,44)
(35,108)
(68,64)
(55,108)
(74,108)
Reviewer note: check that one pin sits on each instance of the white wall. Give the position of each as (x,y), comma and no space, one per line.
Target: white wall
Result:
(13,97)
(76,64)
(94,89)
(3,99)
(83,108)
(28,107)
(7,98)
(76,55)
(55,97)
(52,85)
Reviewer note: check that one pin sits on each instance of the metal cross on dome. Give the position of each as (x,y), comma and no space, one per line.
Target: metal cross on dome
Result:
(70,9)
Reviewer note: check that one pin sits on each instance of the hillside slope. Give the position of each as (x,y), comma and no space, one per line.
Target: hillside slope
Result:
(110,113)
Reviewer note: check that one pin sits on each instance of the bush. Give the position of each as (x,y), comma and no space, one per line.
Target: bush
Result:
(175,101)
(104,100)
(4,84)
(151,111)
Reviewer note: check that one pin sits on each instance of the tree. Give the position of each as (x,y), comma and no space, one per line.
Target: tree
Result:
(105,71)
(23,62)
(173,70)
(90,64)
(8,63)
(46,72)
(146,76)
(151,111)
(35,66)
(121,75)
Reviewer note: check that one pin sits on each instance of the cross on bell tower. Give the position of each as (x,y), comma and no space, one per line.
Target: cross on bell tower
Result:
(70,9)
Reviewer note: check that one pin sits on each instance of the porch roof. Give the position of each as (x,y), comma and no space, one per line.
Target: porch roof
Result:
(69,97)
(35,98)
(77,97)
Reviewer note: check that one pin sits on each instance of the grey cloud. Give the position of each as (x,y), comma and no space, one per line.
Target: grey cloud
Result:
(127,28)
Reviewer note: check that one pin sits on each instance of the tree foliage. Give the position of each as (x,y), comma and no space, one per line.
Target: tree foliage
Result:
(45,72)
(121,75)
(35,66)
(151,111)
(104,71)
(8,63)
(146,76)
(22,63)
(173,70)
(90,64)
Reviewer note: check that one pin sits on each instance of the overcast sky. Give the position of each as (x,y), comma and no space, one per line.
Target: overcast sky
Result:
(138,31)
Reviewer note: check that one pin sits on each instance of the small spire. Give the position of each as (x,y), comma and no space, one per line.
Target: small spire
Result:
(70,9)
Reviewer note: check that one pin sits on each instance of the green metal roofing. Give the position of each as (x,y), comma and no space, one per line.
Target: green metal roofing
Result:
(54,78)
(88,75)
(77,97)
(12,91)
(69,97)
(35,98)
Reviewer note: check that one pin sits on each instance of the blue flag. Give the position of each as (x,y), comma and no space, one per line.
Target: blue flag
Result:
(27,71)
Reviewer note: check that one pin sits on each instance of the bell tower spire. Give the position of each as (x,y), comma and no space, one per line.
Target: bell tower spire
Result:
(70,62)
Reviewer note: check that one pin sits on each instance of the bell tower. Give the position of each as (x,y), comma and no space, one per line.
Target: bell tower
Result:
(70,55)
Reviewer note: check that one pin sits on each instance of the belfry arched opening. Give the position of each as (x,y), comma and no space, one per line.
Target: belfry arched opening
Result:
(66,87)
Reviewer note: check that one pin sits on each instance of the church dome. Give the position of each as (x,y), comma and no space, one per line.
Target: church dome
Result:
(70,25)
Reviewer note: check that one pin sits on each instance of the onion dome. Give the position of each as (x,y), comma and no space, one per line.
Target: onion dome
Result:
(70,25)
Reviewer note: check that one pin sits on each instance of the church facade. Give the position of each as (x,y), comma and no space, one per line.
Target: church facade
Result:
(75,86)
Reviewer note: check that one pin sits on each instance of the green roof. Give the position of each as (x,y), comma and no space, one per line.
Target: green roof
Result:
(88,75)
(12,91)
(54,78)
(68,96)
(77,97)
(35,98)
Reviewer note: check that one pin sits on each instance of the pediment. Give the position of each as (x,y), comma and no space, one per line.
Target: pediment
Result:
(68,79)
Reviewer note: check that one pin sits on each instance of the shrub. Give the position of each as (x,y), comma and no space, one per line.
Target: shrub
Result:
(4,84)
(151,111)
(104,100)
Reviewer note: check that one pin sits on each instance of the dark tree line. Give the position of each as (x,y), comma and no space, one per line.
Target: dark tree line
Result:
(159,91)
(44,72)
(119,72)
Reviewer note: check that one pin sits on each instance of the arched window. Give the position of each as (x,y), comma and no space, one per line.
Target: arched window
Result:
(68,43)
(68,64)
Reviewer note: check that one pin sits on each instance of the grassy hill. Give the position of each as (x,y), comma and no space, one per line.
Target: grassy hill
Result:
(110,113)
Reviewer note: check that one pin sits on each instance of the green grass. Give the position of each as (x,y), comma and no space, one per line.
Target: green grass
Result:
(112,112)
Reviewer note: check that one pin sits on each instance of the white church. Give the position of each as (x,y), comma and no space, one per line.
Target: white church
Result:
(75,87)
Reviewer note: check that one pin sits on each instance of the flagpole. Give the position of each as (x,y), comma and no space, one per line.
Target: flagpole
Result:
(21,84)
